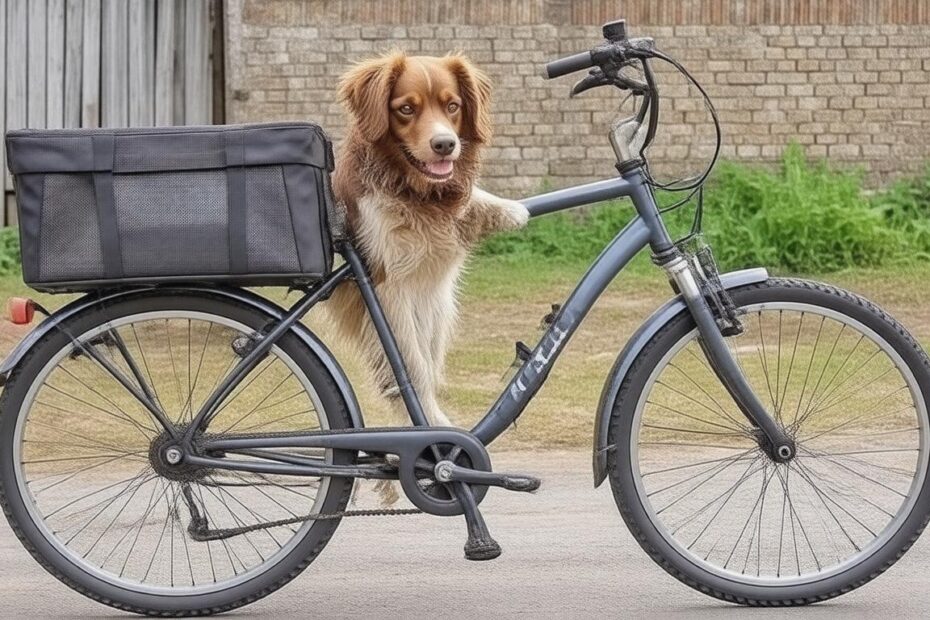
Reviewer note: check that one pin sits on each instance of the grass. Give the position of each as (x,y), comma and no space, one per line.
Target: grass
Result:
(503,301)
(563,412)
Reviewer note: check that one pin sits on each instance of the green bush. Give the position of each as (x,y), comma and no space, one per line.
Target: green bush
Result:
(803,217)
(9,251)
(905,205)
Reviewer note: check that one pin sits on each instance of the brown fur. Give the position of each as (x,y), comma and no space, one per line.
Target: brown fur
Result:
(414,231)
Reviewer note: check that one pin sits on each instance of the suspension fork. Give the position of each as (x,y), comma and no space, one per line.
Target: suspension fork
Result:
(779,446)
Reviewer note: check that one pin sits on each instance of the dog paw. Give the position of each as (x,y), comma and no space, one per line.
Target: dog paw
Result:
(516,212)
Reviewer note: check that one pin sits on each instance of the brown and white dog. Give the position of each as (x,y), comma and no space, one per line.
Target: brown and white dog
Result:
(406,173)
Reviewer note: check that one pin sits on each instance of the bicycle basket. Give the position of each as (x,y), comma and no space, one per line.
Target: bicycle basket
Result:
(244,204)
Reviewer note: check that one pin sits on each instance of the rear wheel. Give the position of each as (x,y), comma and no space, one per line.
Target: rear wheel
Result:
(702,497)
(82,483)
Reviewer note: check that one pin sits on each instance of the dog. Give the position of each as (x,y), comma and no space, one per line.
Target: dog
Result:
(406,174)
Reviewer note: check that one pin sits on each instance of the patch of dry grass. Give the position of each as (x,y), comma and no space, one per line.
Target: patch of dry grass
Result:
(503,301)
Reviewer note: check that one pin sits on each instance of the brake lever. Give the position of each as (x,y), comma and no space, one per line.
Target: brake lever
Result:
(594,79)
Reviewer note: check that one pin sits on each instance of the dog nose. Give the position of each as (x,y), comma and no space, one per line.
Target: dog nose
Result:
(443,144)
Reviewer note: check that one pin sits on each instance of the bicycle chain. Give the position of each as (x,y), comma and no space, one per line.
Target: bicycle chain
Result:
(199,530)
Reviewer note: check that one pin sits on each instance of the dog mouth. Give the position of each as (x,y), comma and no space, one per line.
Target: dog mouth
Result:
(433,170)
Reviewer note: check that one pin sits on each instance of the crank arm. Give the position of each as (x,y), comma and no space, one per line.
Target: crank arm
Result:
(447,471)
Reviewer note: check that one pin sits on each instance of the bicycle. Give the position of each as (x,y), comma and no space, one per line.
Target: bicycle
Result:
(765,439)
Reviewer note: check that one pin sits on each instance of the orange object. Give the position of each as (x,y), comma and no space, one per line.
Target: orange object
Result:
(21,310)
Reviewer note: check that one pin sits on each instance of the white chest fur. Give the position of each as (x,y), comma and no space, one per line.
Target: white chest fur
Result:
(420,251)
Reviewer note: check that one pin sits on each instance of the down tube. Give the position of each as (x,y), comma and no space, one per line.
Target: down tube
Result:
(534,371)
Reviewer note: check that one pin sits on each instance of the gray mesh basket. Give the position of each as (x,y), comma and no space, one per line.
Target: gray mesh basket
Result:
(243,204)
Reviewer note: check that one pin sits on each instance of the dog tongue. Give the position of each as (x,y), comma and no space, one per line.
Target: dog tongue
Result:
(440,168)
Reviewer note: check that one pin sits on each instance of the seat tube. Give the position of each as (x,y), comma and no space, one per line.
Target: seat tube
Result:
(386,335)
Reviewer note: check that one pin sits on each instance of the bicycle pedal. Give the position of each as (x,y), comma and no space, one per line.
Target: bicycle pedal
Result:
(521,483)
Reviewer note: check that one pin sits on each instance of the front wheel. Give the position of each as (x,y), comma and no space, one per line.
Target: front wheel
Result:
(703,498)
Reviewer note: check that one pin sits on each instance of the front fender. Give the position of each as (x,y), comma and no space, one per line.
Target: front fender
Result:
(634,345)
(272,310)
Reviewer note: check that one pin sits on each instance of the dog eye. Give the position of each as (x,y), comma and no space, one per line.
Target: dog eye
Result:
(406,109)
(453,107)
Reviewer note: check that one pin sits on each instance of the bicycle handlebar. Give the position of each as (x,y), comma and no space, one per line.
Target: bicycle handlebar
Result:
(608,60)
(569,64)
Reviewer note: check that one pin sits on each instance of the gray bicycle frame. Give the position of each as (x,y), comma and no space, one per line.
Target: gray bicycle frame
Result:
(646,229)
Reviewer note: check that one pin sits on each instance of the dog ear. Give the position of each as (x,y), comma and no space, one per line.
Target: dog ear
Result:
(475,88)
(366,89)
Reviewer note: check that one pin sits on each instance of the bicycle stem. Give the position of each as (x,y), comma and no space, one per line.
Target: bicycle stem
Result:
(781,446)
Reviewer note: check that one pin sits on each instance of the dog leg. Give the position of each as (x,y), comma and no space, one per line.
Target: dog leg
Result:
(414,341)
(492,213)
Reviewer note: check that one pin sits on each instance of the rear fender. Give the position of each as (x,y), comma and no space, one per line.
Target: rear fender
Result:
(266,307)
(634,346)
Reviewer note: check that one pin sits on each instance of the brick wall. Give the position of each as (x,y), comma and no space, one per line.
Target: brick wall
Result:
(850,80)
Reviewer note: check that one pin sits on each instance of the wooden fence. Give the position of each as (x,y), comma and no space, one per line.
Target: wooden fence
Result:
(107,63)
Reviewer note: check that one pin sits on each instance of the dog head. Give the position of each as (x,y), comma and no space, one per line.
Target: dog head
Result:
(427,115)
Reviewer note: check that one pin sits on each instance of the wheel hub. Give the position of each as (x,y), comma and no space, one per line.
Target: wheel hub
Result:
(167,459)
(779,454)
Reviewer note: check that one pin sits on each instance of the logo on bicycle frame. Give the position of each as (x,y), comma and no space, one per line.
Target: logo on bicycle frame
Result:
(546,353)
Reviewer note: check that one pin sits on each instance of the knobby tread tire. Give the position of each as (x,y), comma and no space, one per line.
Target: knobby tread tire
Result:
(20,379)
(627,499)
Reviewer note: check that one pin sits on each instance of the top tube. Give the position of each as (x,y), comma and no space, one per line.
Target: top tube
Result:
(577,195)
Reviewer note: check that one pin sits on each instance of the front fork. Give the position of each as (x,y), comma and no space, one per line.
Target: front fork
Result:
(777,444)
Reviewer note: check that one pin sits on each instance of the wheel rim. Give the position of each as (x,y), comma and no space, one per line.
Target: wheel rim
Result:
(858,418)
(125,524)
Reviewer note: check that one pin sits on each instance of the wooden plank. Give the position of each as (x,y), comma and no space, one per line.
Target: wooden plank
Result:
(16,78)
(35,64)
(179,61)
(218,61)
(151,9)
(55,65)
(90,65)
(74,24)
(3,107)
(114,50)
(10,211)
(141,63)
(197,86)
(164,62)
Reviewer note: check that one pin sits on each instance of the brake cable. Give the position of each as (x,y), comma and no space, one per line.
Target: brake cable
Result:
(696,181)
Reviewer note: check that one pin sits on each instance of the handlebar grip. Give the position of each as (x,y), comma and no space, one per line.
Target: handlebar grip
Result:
(569,64)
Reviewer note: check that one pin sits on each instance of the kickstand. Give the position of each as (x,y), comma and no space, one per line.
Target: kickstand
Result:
(480,546)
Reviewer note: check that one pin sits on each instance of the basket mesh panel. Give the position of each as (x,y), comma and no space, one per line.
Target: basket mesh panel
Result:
(271,244)
(169,152)
(172,223)
(69,239)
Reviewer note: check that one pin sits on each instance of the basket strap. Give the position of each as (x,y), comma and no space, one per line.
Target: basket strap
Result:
(236,203)
(106,205)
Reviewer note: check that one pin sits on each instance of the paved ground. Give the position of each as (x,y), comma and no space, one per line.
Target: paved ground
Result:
(566,555)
